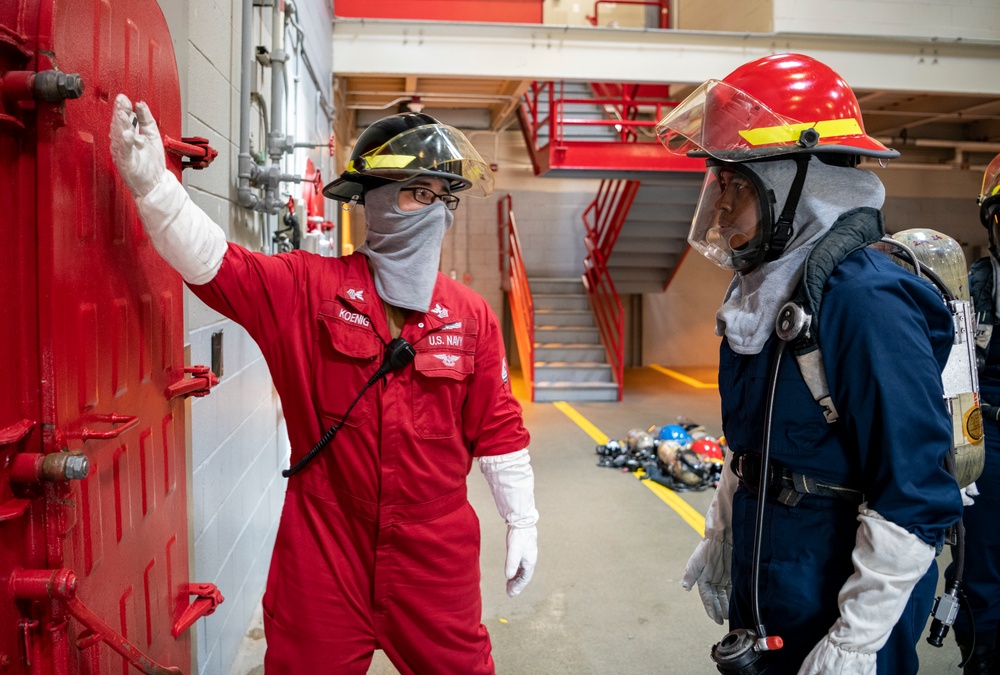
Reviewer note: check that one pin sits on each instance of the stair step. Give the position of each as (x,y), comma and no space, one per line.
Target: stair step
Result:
(556,285)
(656,226)
(628,246)
(575,334)
(572,372)
(556,351)
(639,287)
(546,392)
(642,274)
(560,301)
(626,259)
(563,317)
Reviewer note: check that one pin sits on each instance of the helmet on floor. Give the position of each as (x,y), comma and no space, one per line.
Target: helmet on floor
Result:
(675,432)
(708,449)
(408,146)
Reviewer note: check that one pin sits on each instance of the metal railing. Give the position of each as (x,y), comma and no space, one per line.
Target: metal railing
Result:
(603,221)
(514,280)
(623,102)
(663,14)
(608,312)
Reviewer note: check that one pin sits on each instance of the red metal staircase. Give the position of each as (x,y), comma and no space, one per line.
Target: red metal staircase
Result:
(606,130)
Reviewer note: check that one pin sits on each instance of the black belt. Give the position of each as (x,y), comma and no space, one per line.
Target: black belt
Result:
(787,486)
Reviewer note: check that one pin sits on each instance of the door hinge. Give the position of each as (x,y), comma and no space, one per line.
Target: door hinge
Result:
(195,152)
(209,598)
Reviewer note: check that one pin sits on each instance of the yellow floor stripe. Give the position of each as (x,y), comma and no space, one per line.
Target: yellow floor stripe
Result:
(690,381)
(669,497)
(599,436)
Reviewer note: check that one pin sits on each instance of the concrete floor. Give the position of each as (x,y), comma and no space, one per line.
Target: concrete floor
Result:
(606,597)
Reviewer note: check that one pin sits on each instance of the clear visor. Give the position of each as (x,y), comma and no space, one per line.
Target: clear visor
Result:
(433,149)
(729,223)
(727,123)
(991,180)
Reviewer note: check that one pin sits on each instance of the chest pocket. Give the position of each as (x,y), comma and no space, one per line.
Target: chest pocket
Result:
(348,354)
(445,359)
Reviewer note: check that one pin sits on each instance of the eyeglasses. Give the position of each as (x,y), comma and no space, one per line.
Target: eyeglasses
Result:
(427,196)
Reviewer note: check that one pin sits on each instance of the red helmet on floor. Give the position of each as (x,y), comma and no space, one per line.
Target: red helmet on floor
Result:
(777,105)
(707,449)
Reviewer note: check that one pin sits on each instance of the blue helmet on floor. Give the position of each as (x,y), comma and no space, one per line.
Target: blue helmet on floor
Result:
(675,432)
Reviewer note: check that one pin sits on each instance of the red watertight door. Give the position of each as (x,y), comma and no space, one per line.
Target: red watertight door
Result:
(94,574)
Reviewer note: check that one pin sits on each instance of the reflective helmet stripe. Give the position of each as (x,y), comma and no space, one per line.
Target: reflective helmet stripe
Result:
(383,162)
(789,133)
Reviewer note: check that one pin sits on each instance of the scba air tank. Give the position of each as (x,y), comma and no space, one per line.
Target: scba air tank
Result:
(943,256)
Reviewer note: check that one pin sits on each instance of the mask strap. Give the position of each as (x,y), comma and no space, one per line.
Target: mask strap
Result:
(782,230)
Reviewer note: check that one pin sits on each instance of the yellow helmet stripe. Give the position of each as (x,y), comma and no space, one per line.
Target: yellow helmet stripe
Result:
(789,133)
(383,162)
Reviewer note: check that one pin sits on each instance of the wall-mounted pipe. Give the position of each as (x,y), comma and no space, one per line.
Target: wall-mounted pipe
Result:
(247,170)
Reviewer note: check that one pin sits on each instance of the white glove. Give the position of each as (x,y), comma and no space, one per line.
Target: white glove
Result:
(712,559)
(136,147)
(968,492)
(181,233)
(512,483)
(888,563)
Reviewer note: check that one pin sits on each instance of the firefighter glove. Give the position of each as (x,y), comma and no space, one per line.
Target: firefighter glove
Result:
(709,566)
(512,483)
(888,563)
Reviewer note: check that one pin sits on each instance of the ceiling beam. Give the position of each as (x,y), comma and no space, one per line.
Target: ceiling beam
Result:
(530,52)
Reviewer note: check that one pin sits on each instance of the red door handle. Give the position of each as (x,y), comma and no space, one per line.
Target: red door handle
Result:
(126,421)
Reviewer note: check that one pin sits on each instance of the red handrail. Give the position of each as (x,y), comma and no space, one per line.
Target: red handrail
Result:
(625,106)
(664,6)
(605,216)
(608,311)
(514,279)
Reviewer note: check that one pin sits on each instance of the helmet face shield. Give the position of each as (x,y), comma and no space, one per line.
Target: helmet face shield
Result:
(726,123)
(434,150)
(733,219)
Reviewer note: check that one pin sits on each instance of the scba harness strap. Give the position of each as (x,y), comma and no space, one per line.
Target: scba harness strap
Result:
(798,319)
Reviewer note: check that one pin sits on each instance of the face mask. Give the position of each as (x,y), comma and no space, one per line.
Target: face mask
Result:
(404,247)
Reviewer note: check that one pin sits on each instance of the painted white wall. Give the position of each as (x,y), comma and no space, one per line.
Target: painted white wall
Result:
(964,19)
(238,439)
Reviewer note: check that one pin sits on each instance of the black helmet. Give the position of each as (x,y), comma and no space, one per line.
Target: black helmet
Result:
(405,146)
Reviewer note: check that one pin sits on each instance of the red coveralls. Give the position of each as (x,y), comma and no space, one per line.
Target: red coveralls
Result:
(378,546)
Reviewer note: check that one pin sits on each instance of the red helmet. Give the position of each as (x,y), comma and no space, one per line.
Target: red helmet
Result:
(777,105)
(707,449)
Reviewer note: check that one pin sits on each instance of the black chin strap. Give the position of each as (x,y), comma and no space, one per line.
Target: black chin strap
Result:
(782,230)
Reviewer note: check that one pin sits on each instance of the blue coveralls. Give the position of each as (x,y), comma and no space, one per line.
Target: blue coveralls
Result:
(981,578)
(885,336)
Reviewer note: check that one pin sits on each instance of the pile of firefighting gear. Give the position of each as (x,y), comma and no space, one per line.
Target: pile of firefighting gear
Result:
(682,457)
